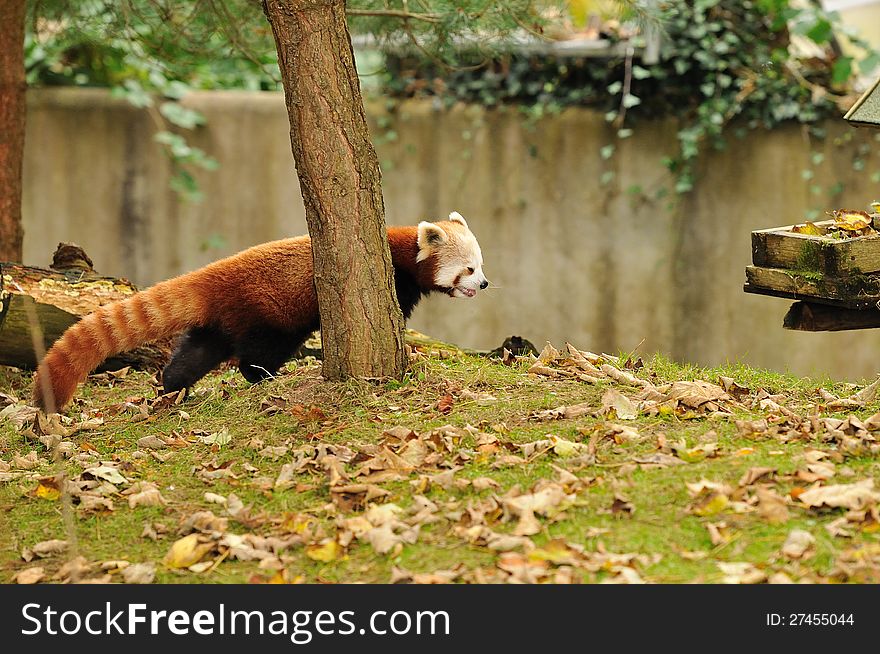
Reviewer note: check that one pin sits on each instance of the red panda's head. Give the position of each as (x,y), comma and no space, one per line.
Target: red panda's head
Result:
(456,255)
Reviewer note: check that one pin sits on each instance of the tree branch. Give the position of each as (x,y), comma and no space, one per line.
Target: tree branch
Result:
(394,13)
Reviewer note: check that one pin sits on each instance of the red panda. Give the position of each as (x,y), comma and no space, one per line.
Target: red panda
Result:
(258,306)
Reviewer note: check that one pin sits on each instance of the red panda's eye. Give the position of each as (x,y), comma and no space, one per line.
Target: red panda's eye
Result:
(470,271)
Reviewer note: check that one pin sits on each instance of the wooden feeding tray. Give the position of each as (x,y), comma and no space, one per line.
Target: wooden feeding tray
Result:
(820,267)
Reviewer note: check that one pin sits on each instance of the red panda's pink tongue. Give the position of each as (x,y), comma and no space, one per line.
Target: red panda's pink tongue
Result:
(468,291)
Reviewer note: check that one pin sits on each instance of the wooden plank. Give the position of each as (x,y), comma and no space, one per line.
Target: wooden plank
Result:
(861,254)
(757,290)
(855,292)
(813,317)
(779,247)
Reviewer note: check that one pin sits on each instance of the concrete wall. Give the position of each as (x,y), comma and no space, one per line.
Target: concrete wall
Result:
(597,265)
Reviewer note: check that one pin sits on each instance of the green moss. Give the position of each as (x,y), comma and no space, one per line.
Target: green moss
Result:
(811,256)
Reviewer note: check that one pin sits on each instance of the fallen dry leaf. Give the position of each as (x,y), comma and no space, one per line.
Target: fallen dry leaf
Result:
(44,549)
(325,552)
(187,551)
(798,543)
(30,575)
(741,573)
(850,496)
(616,404)
(139,573)
(771,506)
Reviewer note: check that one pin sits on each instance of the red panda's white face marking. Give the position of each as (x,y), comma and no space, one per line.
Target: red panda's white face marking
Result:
(459,261)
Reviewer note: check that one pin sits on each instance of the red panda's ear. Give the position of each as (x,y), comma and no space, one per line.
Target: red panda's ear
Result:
(430,235)
(458,218)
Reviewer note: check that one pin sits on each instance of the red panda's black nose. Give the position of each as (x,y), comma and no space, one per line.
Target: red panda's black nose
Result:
(485,284)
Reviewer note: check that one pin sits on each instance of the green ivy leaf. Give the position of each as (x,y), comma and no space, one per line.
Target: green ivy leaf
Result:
(820,32)
(631,100)
(179,115)
(841,70)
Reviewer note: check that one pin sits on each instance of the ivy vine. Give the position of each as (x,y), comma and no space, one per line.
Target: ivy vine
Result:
(726,67)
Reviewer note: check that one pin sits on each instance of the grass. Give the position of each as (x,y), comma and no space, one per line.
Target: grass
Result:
(672,544)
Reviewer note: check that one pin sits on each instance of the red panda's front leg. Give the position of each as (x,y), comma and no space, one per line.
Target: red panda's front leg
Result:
(262,351)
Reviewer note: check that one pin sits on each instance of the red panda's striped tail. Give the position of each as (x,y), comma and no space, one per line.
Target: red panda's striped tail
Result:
(158,312)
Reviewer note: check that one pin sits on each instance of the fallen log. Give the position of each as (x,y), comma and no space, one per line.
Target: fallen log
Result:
(53,299)
(813,317)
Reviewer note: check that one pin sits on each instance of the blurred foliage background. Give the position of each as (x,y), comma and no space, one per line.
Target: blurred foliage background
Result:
(719,67)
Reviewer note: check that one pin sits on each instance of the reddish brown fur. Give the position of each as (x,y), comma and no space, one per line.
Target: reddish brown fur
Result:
(267,285)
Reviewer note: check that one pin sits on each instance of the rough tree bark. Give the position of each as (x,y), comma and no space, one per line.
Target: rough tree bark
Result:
(361,322)
(12,112)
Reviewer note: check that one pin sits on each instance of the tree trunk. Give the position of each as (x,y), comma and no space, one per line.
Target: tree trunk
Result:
(361,322)
(12,111)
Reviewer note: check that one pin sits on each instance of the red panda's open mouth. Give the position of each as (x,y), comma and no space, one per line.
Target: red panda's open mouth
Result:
(468,292)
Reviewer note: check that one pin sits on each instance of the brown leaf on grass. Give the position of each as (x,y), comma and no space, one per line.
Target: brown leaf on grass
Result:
(29,576)
(75,570)
(839,528)
(151,443)
(480,397)
(400,576)
(211,472)
(857,400)
(484,483)
(752,428)
(719,533)
(560,446)
(147,497)
(28,462)
(620,434)
(444,404)
(50,425)
(753,475)
(624,575)
(47,489)
(205,522)
(139,573)
(549,354)
(354,497)
(562,412)
(578,359)
(709,497)
(273,452)
(188,550)
(550,499)
(623,377)
(709,504)
(558,552)
(507,460)
(850,496)
(699,395)
(694,454)
(771,506)
(154,531)
(383,539)
(658,459)
(326,551)
(20,415)
(617,405)
(816,472)
(798,544)
(521,568)
(622,507)
(732,388)
(741,573)
(44,549)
